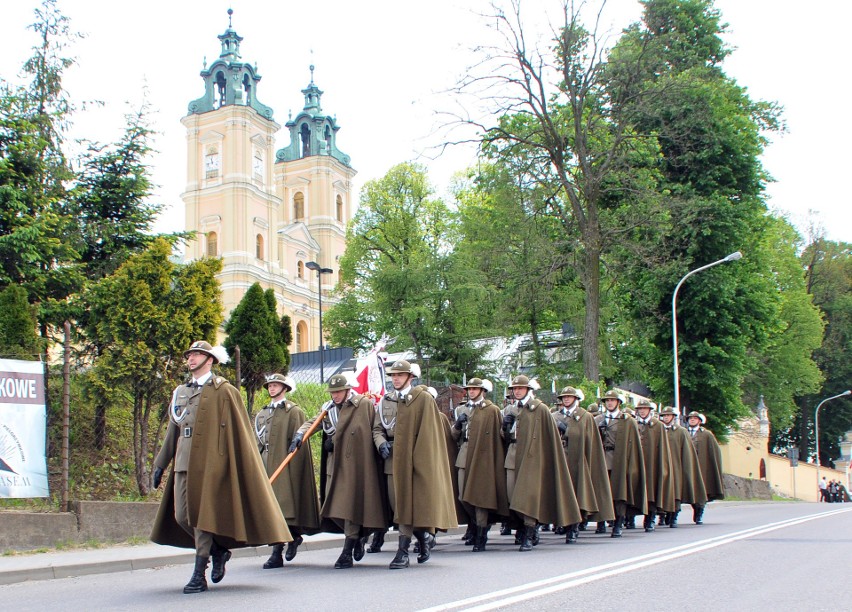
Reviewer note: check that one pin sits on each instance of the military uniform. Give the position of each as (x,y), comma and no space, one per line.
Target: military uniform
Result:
(686,474)
(710,461)
(217,496)
(657,457)
(624,462)
(459,433)
(295,487)
(355,501)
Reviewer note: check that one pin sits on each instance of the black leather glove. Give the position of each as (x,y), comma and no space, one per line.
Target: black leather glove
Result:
(508,421)
(158,477)
(385,450)
(296,443)
(460,421)
(328,445)
(562,427)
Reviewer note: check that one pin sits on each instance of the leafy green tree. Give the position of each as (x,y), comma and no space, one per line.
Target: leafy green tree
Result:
(145,315)
(399,279)
(254,326)
(18,324)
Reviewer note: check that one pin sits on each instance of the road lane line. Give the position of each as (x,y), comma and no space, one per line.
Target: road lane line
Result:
(566,581)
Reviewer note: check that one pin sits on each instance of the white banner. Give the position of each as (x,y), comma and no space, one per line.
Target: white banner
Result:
(23,424)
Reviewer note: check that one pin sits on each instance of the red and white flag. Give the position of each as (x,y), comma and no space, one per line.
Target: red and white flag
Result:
(370,372)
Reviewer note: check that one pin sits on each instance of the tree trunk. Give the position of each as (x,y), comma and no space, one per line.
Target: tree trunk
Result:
(592,322)
(100,423)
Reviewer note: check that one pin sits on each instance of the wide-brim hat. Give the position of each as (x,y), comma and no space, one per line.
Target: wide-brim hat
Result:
(644,403)
(479,383)
(400,366)
(612,394)
(520,381)
(578,393)
(592,408)
(668,410)
(202,347)
(287,381)
(339,382)
(698,415)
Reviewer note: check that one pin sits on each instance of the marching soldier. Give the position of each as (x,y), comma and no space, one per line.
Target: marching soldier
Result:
(295,488)
(407,433)
(354,498)
(541,489)
(658,463)
(688,483)
(217,496)
(459,432)
(709,460)
(586,462)
(624,463)
(483,479)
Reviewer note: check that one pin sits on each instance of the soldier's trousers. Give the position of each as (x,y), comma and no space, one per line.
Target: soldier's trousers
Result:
(203,539)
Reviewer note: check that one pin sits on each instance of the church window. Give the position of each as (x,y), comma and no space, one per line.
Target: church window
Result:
(257,164)
(339,209)
(328,138)
(247,88)
(220,90)
(211,163)
(212,244)
(299,206)
(259,247)
(300,269)
(305,134)
(301,337)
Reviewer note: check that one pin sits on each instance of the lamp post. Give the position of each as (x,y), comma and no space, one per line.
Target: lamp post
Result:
(312,265)
(816,424)
(732,257)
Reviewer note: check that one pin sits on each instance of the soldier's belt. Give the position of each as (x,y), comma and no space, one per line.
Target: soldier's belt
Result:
(609,448)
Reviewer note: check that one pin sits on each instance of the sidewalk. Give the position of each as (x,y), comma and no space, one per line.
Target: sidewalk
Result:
(80,562)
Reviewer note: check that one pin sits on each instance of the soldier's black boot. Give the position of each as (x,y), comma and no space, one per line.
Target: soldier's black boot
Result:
(673,519)
(344,561)
(617,526)
(481,538)
(629,522)
(198,582)
(293,548)
(400,561)
(220,556)
(583,525)
(649,523)
(519,535)
(698,515)
(504,529)
(535,535)
(425,550)
(601,527)
(663,518)
(469,536)
(378,542)
(526,539)
(275,559)
(572,534)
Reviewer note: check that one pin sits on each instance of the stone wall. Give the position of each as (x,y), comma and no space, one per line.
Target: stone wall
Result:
(88,520)
(746,488)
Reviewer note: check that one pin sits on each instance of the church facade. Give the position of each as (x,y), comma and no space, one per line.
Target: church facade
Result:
(267,213)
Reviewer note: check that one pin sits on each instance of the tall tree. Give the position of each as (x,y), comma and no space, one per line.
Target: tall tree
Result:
(145,315)
(18,324)
(254,327)
(556,114)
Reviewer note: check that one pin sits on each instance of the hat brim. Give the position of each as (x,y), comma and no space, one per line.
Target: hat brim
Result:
(203,352)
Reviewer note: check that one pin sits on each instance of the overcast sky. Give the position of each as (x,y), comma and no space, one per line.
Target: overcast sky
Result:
(383,65)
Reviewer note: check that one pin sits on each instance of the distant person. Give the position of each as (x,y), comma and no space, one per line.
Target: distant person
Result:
(710,461)
(686,473)
(218,496)
(823,490)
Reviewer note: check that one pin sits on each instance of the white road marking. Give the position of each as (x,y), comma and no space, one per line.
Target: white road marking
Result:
(530,590)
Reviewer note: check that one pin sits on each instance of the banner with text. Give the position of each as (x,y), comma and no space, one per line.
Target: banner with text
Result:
(23,424)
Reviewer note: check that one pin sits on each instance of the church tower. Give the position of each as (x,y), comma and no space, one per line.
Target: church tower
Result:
(266,215)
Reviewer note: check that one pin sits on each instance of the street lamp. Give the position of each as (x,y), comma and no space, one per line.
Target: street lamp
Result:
(732,257)
(816,424)
(312,265)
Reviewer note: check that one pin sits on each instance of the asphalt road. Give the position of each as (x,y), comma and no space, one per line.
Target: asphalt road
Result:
(747,556)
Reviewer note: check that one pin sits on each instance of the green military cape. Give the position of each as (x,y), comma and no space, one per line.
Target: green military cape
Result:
(452,454)
(658,465)
(710,461)
(627,477)
(688,482)
(296,486)
(485,477)
(422,483)
(228,492)
(356,492)
(543,488)
(587,465)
